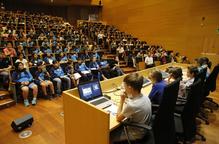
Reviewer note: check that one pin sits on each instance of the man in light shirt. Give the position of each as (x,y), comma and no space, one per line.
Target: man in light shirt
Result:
(149,61)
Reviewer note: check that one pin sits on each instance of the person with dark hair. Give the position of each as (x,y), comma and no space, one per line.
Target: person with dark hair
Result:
(83,70)
(69,70)
(58,75)
(9,50)
(175,73)
(43,79)
(134,106)
(49,58)
(5,66)
(96,70)
(22,60)
(192,73)
(159,84)
(62,58)
(35,60)
(25,80)
(204,63)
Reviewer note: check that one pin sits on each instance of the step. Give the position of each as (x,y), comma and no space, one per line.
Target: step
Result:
(4,95)
(129,70)
(122,62)
(122,65)
(6,103)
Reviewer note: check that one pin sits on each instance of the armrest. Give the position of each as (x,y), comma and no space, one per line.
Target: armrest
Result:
(181,99)
(177,115)
(138,125)
(12,83)
(155,106)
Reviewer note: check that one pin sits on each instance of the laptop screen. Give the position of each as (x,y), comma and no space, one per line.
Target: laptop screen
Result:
(146,82)
(90,90)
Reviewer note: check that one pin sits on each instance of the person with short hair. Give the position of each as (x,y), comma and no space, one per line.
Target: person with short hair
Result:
(5,66)
(149,61)
(159,84)
(49,58)
(43,79)
(25,80)
(134,106)
(22,59)
(9,50)
(58,75)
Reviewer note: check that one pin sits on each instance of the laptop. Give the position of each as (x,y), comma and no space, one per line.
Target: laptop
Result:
(92,93)
(165,74)
(146,82)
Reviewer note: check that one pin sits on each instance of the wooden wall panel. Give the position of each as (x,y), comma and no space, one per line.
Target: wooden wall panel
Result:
(175,24)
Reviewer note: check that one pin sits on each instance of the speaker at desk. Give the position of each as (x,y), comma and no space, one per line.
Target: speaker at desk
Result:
(22,123)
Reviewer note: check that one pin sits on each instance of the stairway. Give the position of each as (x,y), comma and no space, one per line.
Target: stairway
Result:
(6,100)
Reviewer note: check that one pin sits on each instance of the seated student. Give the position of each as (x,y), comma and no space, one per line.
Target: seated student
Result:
(86,55)
(94,66)
(114,66)
(74,56)
(159,84)
(37,51)
(46,50)
(9,50)
(20,49)
(176,73)
(134,106)
(49,59)
(69,70)
(23,77)
(5,66)
(203,63)
(22,60)
(35,60)
(83,70)
(105,68)
(149,61)
(58,75)
(95,54)
(58,49)
(62,58)
(43,79)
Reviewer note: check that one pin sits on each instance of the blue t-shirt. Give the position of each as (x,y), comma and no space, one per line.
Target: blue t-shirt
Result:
(156,93)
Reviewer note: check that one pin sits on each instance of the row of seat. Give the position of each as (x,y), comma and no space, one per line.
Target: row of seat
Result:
(173,123)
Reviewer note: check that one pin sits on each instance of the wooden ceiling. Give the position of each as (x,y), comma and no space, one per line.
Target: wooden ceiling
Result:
(55,2)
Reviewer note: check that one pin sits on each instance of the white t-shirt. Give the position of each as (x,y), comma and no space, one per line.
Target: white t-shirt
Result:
(24,61)
(100,36)
(149,60)
(138,109)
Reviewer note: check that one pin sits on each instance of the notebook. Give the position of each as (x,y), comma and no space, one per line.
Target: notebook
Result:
(92,93)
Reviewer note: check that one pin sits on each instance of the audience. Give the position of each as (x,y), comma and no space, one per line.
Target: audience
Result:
(46,39)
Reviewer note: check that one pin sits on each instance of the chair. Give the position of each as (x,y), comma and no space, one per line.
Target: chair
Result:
(185,121)
(210,84)
(163,126)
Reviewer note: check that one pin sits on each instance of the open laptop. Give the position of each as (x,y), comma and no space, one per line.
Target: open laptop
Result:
(165,74)
(92,93)
(146,82)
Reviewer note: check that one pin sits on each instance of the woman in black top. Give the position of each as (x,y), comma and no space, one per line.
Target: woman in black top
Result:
(5,66)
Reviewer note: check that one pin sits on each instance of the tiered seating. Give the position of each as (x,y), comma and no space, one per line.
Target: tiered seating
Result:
(37,35)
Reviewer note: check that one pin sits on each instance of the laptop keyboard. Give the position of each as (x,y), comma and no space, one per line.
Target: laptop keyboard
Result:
(97,102)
